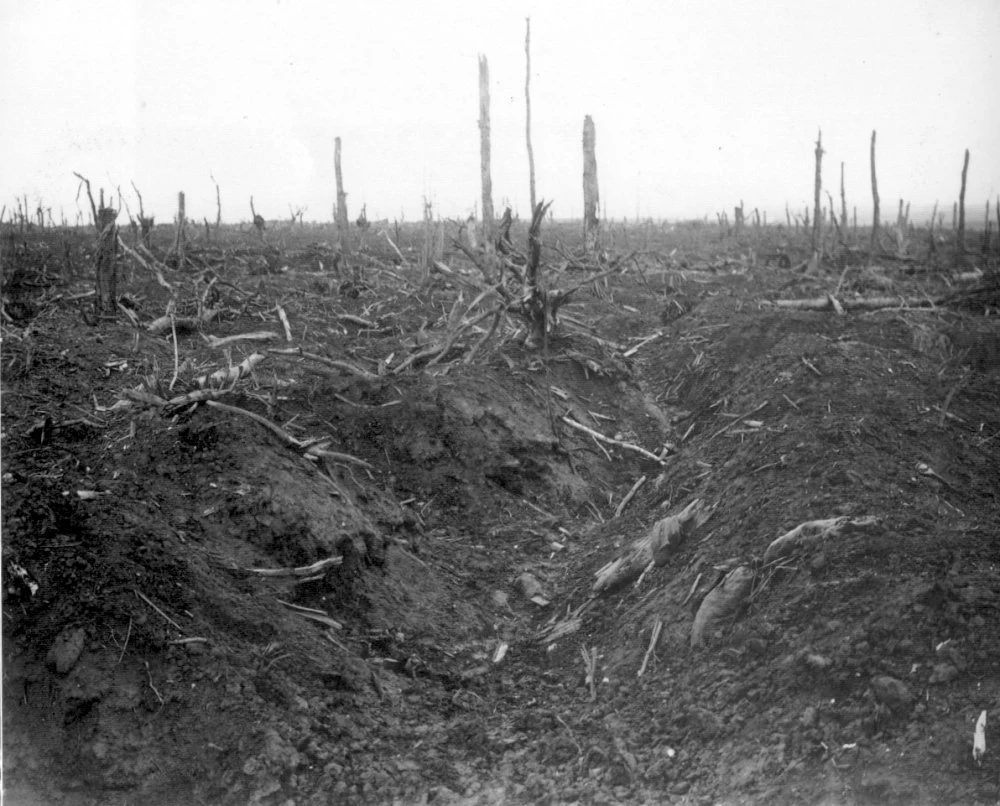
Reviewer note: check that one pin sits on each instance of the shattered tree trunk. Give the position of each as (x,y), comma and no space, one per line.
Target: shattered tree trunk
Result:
(484,152)
(591,194)
(871,248)
(343,228)
(817,233)
(145,224)
(537,302)
(843,201)
(258,220)
(960,240)
(527,109)
(218,207)
(179,239)
(106,268)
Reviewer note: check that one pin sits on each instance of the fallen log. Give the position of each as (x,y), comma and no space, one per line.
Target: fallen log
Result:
(829,303)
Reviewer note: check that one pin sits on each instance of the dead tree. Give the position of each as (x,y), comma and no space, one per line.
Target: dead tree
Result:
(527,108)
(930,230)
(343,228)
(871,248)
(484,150)
(817,233)
(106,274)
(960,241)
(145,224)
(788,216)
(834,221)
(591,191)
(738,220)
(218,206)
(986,230)
(843,202)
(258,220)
(181,237)
(106,257)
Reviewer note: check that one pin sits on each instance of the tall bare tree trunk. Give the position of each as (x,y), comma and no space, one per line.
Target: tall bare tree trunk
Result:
(527,107)
(843,201)
(871,248)
(817,233)
(218,206)
(484,150)
(343,226)
(591,192)
(960,241)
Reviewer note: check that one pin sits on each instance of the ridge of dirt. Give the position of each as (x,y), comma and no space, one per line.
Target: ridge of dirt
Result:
(153,664)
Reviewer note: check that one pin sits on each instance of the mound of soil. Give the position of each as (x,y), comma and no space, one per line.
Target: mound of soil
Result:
(392,598)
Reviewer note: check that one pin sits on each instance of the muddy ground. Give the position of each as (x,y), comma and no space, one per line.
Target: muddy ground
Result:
(442,655)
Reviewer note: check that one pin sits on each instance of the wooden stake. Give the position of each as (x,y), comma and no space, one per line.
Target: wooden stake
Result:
(527,106)
(591,193)
(871,248)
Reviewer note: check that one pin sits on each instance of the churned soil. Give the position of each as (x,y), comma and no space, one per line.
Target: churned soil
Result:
(452,649)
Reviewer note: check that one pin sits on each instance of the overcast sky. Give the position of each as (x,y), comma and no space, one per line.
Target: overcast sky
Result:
(697,105)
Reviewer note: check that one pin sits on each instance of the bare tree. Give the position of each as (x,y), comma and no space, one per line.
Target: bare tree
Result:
(106,257)
(591,191)
(817,233)
(484,150)
(145,224)
(874,241)
(527,106)
(218,205)
(960,241)
(342,226)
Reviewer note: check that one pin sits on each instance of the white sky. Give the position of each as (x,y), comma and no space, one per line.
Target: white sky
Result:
(696,105)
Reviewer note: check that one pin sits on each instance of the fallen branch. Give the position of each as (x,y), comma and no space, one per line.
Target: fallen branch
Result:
(652,645)
(165,616)
(284,321)
(232,374)
(633,350)
(322,359)
(736,420)
(301,571)
(867,304)
(274,429)
(142,262)
(590,665)
(608,440)
(319,451)
(629,496)
(258,335)
(313,615)
(167,322)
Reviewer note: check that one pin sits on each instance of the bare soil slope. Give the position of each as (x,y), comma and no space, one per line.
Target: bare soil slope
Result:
(442,653)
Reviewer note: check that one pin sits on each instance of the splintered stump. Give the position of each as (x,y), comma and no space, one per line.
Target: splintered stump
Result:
(106,264)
